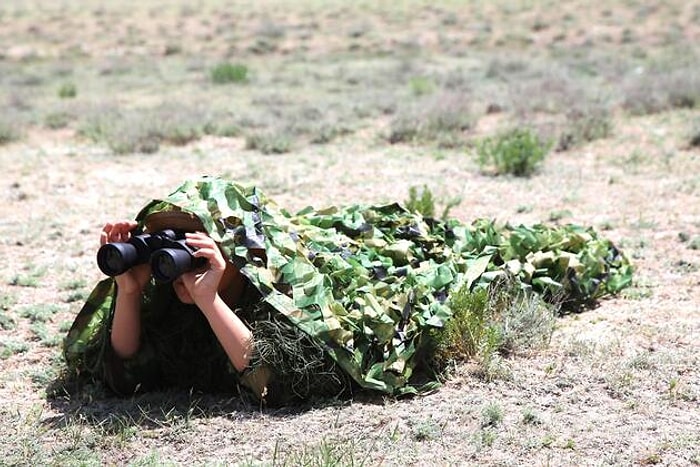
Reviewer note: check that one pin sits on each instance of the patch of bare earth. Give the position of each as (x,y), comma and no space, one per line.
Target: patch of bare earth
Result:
(619,384)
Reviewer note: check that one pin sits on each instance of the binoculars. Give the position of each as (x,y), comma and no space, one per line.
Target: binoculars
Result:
(166,251)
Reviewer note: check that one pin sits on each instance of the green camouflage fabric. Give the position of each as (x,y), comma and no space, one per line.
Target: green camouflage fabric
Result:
(367,283)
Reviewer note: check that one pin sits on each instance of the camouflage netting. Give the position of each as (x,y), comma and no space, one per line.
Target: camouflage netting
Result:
(359,287)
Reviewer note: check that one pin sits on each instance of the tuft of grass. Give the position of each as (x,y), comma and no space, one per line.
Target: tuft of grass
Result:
(10,347)
(660,89)
(9,130)
(462,337)
(424,202)
(7,322)
(491,415)
(226,73)
(270,141)
(694,134)
(585,124)
(144,130)
(421,85)
(40,312)
(58,120)
(325,453)
(440,118)
(484,438)
(694,244)
(130,139)
(518,152)
(427,430)
(67,91)
(530,417)
(490,324)
(30,278)
(46,337)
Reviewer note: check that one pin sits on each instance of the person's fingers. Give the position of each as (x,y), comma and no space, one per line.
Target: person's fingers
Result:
(115,232)
(205,246)
(213,256)
(104,235)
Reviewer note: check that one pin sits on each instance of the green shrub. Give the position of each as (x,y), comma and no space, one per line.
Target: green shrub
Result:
(488,324)
(57,120)
(420,85)
(465,332)
(67,91)
(424,203)
(10,347)
(225,73)
(517,152)
(7,322)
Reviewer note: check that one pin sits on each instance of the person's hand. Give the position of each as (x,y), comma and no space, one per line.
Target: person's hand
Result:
(135,279)
(203,284)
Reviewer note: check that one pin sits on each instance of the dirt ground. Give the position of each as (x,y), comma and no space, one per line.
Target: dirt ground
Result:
(619,384)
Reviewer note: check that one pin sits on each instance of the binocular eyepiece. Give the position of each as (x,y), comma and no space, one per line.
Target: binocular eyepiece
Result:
(166,250)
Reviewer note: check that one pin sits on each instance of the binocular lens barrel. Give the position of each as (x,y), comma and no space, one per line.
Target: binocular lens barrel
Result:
(168,264)
(116,258)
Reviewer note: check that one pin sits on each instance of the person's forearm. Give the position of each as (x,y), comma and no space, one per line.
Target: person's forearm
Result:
(232,333)
(126,324)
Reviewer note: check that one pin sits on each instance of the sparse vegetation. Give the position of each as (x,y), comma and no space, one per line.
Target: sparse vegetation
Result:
(425,203)
(225,73)
(694,136)
(9,130)
(518,152)
(440,118)
(488,324)
(67,91)
(270,142)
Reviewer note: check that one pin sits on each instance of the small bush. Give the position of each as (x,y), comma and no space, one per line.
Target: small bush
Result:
(225,73)
(97,122)
(658,90)
(694,137)
(57,120)
(420,85)
(424,203)
(10,347)
(441,118)
(130,136)
(7,322)
(144,130)
(67,91)
(9,130)
(491,415)
(488,324)
(270,142)
(517,152)
(586,124)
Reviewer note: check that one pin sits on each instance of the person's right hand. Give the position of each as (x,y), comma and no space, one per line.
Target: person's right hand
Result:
(135,279)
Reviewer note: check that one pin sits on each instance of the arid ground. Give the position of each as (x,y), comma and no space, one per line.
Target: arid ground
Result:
(328,102)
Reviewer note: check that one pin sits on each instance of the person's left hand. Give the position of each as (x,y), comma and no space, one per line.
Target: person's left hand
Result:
(203,284)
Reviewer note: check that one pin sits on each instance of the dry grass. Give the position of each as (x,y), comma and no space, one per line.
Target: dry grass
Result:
(618,385)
